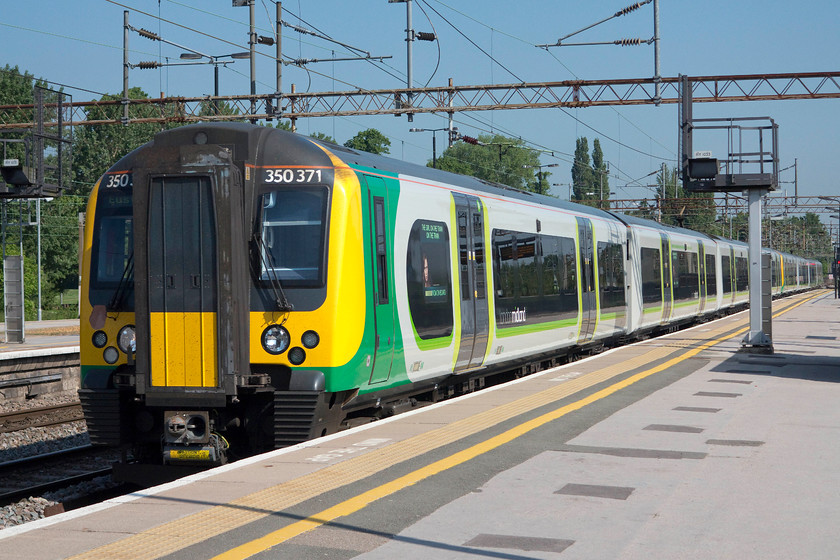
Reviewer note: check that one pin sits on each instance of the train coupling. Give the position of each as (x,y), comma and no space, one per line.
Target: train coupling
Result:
(189,440)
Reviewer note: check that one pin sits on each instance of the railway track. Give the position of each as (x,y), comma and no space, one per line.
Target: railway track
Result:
(40,417)
(41,474)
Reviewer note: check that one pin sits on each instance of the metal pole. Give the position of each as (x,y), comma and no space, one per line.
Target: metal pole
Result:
(756,337)
(125,68)
(38,218)
(252,43)
(409,39)
(434,149)
(279,54)
(215,86)
(657,78)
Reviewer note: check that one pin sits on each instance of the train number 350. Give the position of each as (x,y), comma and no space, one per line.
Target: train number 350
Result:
(292,176)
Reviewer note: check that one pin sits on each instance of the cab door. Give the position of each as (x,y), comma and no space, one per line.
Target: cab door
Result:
(182,282)
(701,271)
(588,288)
(475,315)
(383,299)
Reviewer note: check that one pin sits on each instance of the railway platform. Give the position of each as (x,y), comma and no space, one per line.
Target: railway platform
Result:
(676,447)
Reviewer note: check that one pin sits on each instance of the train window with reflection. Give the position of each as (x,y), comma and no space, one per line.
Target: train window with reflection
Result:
(742,274)
(711,283)
(429,279)
(651,277)
(726,274)
(293,231)
(112,259)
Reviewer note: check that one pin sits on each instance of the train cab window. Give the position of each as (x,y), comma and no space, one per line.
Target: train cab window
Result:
(651,277)
(711,283)
(112,259)
(429,279)
(293,230)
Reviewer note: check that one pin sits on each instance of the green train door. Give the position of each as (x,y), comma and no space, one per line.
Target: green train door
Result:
(701,270)
(383,300)
(475,313)
(667,293)
(588,291)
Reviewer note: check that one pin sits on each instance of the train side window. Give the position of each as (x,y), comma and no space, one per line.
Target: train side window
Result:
(429,279)
(611,275)
(505,265)
(381,249)
(651,277)
(711,284)
(742,274)
(726,274)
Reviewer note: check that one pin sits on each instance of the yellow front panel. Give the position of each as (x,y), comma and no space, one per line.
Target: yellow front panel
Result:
(183,349)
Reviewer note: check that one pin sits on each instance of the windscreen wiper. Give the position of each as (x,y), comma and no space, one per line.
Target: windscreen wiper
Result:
(121,292)
(267,261)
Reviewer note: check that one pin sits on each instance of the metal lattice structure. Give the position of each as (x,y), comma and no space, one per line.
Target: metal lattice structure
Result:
(452,98)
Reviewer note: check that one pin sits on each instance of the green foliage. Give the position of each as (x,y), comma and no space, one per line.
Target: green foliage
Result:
(96,148)
(370,140)
(324,137)
(590,181)
(498,159)
(16,88)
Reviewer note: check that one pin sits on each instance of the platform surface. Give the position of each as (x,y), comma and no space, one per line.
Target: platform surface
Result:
(676,447)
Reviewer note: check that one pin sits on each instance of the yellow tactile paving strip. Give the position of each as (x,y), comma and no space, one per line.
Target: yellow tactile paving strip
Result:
(193,529)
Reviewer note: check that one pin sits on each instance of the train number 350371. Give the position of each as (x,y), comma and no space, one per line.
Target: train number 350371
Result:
(292,176)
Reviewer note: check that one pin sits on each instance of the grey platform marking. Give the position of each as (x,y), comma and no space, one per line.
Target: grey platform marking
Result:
(673,428)
(596,491)
(755,371)
(741,381)
(633,453)
(520,543)
(697,409)
(735,442)
(821,337)
(714,394)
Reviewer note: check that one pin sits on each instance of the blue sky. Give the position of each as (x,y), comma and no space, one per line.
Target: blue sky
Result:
(79,44)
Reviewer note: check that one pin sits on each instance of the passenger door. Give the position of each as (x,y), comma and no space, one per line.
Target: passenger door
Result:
(667,293)
(701,270)
(475,314)
(588,291)
(383,299)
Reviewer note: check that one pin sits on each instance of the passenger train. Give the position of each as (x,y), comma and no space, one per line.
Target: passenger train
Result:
(245,288)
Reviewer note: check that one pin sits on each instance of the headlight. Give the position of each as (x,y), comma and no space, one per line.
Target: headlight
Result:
(310,339)
(297,356)
(127,340)
(111,355)
(275,339)
(100,339)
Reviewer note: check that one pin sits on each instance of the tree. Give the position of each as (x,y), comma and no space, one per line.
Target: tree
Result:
(600,173)
(16,88)
(582,174)
(370,140)
(498,159)
(96,148)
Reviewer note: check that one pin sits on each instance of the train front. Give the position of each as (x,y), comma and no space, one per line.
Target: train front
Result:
(213,321)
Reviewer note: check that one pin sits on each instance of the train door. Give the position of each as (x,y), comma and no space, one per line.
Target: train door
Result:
(475,314)
(182,281)
(667,293)
(588,291)
(701,271)
(383,299)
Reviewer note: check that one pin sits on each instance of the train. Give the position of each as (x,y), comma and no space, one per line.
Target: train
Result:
(245,288)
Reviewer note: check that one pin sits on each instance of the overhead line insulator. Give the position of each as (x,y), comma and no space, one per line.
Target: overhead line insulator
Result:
(629,42)
(148,34)
(148,65)
(425,36)
(631,8)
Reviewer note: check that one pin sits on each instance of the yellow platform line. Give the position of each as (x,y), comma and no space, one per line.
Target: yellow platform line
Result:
(190,530)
